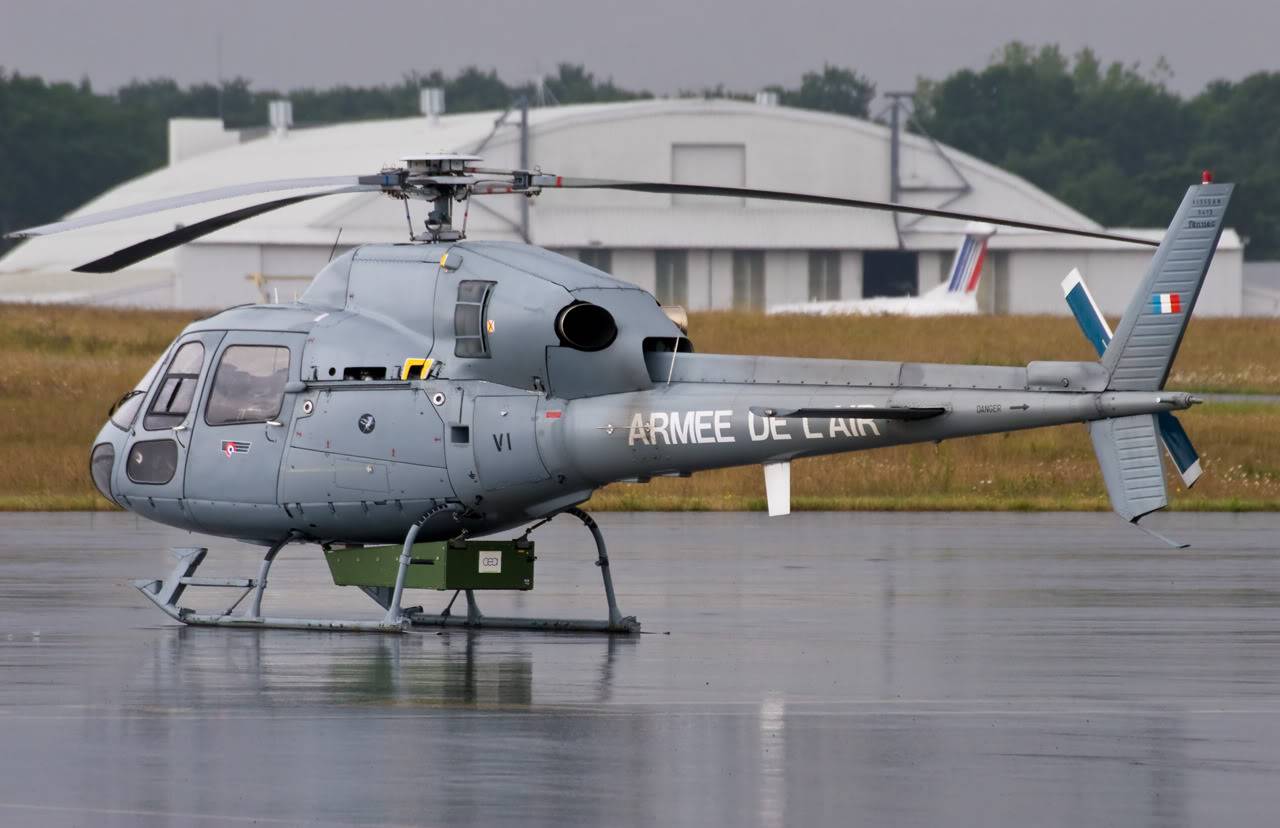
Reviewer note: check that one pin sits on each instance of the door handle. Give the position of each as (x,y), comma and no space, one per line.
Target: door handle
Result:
(275,423)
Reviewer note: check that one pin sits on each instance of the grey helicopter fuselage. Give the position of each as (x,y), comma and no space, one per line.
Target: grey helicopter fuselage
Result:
(511,382)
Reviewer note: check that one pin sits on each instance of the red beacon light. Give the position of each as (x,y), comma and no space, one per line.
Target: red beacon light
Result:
(1206,177)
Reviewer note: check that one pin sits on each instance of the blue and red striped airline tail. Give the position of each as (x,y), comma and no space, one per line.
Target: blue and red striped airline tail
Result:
(966,266)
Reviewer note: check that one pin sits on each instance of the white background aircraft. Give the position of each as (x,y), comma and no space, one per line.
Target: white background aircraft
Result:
(958,295)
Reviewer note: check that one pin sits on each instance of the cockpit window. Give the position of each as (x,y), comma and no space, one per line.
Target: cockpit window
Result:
(248,386)
(177,390)
(469,327)
(125,411)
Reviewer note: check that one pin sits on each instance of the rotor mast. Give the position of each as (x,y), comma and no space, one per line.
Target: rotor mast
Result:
(442,179)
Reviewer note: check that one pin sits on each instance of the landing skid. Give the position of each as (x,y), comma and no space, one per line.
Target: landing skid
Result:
(166,593)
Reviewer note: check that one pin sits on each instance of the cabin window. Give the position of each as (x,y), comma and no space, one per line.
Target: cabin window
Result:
(177,391)
(671,282)
(248,386)
(824,275)
(153,462)
(470,330)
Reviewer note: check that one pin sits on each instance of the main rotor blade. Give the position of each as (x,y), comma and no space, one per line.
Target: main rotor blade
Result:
(557,182)
(189,199)
(159,244)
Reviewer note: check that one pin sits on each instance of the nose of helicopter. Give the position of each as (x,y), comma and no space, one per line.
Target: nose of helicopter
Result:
(101,460)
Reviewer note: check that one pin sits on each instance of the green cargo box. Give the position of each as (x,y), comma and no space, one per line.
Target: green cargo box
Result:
(440,565)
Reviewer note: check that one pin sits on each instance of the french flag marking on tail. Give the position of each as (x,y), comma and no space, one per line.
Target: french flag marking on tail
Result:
(1166,303)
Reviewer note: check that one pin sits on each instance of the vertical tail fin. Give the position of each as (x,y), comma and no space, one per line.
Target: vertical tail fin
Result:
(1128,451)
(966,266)
(1140,355)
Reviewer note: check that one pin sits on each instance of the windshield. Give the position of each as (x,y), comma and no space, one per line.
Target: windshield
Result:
(125,410)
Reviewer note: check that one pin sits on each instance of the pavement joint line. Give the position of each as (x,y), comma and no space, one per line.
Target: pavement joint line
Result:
(622,713)
(144,812)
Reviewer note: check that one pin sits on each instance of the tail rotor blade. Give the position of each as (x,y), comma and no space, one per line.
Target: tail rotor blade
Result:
(1178,445)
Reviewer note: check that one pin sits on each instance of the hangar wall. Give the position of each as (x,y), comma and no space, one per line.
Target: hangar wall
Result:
(1018,281)
(728,251)
(1112,275)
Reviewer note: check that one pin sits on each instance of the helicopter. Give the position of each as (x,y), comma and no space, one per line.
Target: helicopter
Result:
(419,398)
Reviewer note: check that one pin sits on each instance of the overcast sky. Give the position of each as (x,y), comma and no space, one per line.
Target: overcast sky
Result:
(660,45)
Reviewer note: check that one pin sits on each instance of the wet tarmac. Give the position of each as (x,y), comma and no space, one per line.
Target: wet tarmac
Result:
(821,669)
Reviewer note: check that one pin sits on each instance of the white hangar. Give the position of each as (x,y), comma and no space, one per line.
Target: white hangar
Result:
(693,251)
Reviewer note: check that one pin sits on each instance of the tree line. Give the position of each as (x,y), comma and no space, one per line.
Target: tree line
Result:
(1110,140)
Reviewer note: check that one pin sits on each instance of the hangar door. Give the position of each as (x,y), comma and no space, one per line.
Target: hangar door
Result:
(890,273)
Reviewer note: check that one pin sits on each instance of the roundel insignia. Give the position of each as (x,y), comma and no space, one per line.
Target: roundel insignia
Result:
(366,423)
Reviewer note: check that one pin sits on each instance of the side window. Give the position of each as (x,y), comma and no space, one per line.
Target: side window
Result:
(469,333)
(152,461)
(248,386)
(177,389)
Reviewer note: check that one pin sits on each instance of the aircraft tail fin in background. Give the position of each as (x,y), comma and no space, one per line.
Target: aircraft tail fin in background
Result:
(966,265)
(1142,351)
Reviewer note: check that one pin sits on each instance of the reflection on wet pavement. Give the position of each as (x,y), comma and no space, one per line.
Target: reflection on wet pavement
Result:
(819,669)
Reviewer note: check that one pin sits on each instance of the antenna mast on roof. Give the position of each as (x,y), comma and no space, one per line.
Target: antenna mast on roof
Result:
(901,114)
(542,96)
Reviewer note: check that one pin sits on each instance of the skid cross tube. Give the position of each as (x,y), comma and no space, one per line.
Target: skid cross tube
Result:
(602,561)
(395,614)
(165,594)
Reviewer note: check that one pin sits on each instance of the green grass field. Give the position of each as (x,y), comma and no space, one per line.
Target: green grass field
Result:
(62,367)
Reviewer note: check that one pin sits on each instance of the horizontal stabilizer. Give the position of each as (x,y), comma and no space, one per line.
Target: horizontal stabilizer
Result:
(863,412)
(1129,453)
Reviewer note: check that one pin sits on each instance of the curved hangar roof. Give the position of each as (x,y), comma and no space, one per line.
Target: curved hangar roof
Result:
(689,140)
